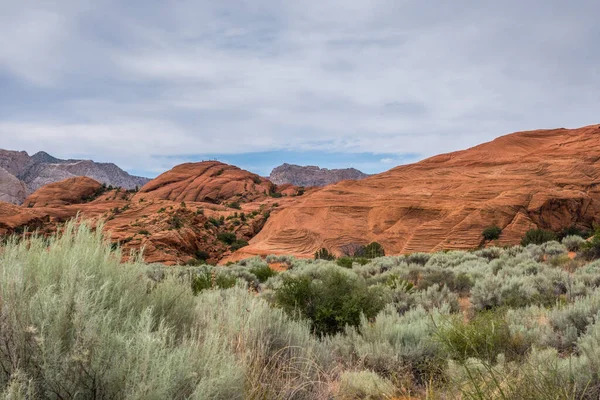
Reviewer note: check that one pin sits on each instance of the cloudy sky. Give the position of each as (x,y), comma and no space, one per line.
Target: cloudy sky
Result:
(370,84)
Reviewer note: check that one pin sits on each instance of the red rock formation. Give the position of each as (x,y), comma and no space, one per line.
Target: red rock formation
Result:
(210,181)
(69,191)
(545,178)
(166,221)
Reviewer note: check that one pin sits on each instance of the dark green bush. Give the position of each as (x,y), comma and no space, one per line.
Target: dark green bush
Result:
(215,222)
(331,302)
(537,236)
(345,262)
(202,255)
(491,233)
(573,231)
(176,222)
(209,279)
(374,250)
(324,254)
(227,237)
(591,248)
(262,272)
(238,244)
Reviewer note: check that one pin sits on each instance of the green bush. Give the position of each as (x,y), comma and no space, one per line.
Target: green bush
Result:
(202,255)
(262,272)
(334,300)
(373,250)
(484,337)
(573,242)
(227,237)
(238,244)
(491,233)
(345,262)
(591,248)
(176,222)
(537,236)
(216,222)
(324,254)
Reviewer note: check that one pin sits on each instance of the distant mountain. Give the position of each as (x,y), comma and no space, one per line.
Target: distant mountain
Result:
(311,175)
(21,171)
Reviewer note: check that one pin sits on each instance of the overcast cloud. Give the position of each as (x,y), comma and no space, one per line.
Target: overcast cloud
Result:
(148,84)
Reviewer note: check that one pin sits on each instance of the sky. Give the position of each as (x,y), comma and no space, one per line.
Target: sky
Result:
(336,83)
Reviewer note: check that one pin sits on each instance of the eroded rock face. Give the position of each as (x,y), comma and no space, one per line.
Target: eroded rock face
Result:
(312,175)
(77,190)
(545,178)
(14,162)
(209,181)
(12,190)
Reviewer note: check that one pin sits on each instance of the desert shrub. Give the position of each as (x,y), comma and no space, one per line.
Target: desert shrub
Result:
(537,236)
(364,385)
(215,222)
(571,321)
(235,204)
(238,244)
(324,254)
(262,272)
(418,258)
(175,222)
(491,233)
(436,297)
(334,299)
(209,278)
(373,250)
(515,291)
(573,231)
(489,253)
(345,262)
(202,255)
(484,337)
(553,248)
(591,248)
(396,345)
(75,320)
(227,237)
(426,277)
(573,242)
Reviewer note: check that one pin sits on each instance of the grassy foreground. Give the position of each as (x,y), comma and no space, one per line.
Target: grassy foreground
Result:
(516,323)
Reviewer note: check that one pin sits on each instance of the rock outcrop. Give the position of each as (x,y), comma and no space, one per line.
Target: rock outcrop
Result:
(77,190)
(12,190)
(546,178)
(312,176)
(209,181)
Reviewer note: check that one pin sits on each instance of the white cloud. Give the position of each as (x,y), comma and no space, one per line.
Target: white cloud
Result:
(130,82)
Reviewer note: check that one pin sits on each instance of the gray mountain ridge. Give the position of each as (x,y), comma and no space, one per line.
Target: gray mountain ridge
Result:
(312,175)
(32,172)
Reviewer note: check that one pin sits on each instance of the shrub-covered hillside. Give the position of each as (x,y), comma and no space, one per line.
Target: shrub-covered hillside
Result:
(514,323)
